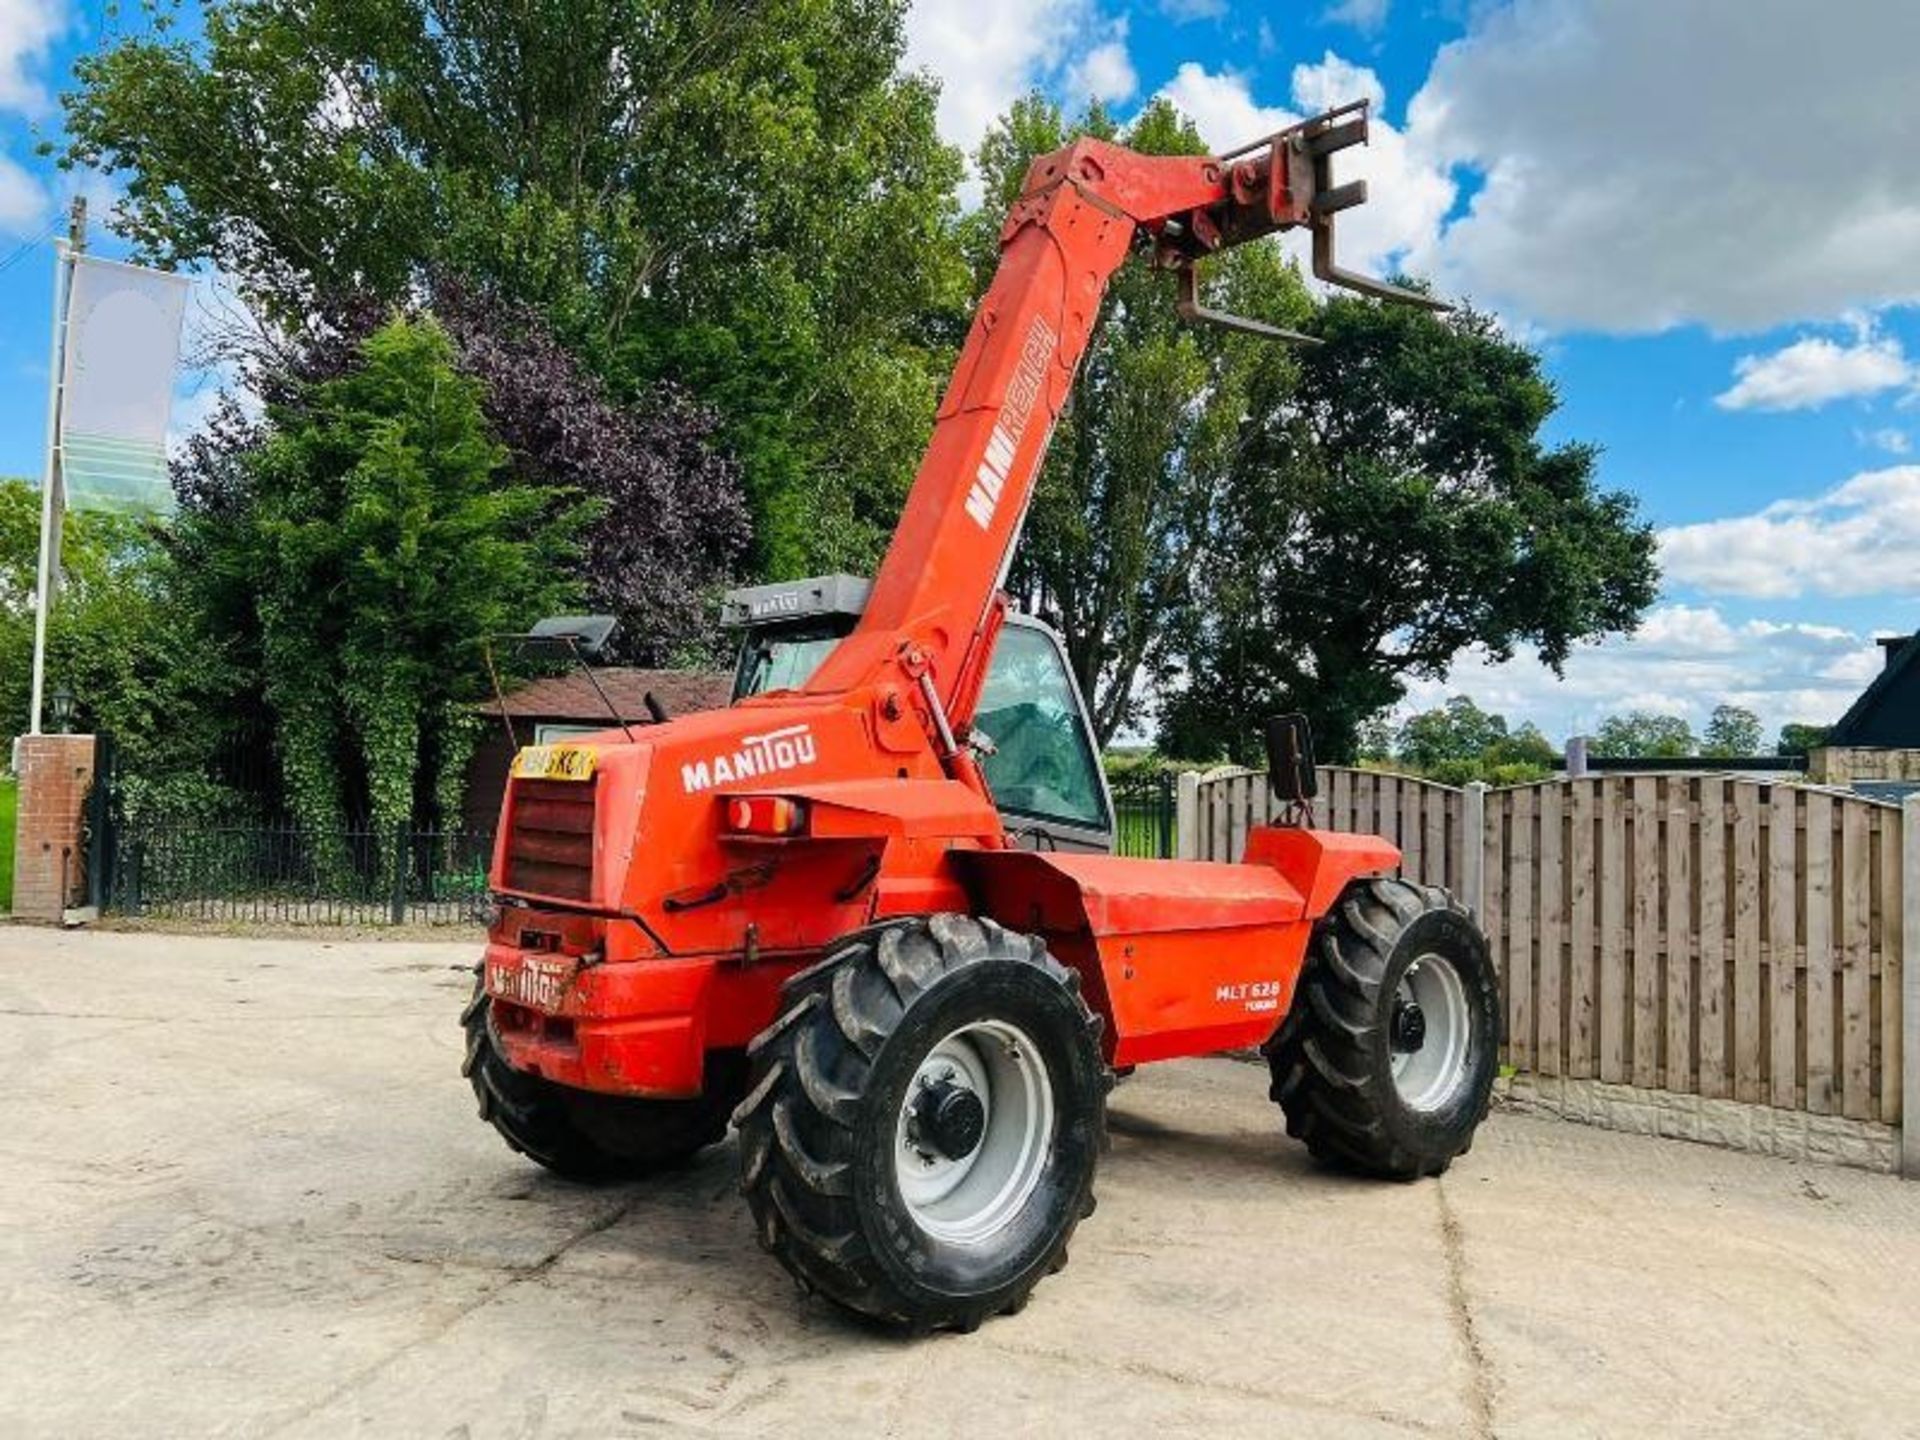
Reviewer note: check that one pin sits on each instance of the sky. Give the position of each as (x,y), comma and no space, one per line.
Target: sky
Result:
(1706,216)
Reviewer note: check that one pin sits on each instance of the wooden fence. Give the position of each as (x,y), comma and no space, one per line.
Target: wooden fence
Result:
(1701,933)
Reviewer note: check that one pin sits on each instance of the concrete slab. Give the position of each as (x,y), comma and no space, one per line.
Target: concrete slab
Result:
(242,1192)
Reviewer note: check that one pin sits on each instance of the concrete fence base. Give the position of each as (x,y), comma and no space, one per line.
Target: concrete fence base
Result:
(1729,1124)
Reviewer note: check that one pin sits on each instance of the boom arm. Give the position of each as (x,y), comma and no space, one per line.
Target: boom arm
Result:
(1080,211)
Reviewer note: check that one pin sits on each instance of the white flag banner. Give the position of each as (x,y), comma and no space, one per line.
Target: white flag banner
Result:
(123,353)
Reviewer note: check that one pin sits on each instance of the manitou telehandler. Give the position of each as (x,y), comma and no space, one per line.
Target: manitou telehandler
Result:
(908,979)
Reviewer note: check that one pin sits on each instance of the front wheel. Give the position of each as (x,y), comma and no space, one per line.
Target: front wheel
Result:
(1385,1062)
(920,1136)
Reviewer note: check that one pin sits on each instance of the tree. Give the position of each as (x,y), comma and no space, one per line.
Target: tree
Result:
(1459,742)
(1731,731)
(1138,457)
(370,547)
(1644,734)
(749,199)
(1457,730)
(1387,509)
(124,643)
(1799,739)
(672,520)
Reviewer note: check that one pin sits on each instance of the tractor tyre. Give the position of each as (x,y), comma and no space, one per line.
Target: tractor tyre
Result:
(920,1134)
(1385,1062)
(586,1136)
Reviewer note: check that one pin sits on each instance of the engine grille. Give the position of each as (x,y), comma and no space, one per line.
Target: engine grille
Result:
(550,842)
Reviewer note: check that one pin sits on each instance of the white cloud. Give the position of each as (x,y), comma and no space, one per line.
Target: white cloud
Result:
(1889,439)
(1183,12)
(1407,196)
(1683,661)
(1815,371)
(1334,82)
(23,200)
(1368,15)
(1222,106)
(28,29)
(1859,538)
(988,53)
(1742,163)
(1105,73)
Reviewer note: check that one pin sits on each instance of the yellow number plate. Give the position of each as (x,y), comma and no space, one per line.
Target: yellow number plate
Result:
(555,762)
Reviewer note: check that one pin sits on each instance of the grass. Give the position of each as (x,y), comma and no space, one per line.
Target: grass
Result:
(9,806)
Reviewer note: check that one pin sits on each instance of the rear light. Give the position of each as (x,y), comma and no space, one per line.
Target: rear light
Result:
(765,815)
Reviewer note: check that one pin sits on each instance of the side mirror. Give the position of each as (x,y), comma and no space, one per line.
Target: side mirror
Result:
(576,634)
(1290,759)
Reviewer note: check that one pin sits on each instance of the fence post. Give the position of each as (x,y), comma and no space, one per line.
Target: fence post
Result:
(1910,987)
(1163,813)
(1186,820)
(1576,757)
(400,858)
(1473,849)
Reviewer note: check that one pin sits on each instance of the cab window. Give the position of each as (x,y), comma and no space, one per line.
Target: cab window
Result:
(781,660)
(1043,765)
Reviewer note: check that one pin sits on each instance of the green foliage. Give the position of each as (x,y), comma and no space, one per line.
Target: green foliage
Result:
(1731,731)
(1646,734)
(1459,742)
(1389,505)
(1139,457)
(9,813)
(373,549)
(749,199)
(1798,739)
(123,639)
(1457,730)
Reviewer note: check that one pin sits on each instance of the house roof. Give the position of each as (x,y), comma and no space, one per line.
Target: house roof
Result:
(1887,714)
(572,697)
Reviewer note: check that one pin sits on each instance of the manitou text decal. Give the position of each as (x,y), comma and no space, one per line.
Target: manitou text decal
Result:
(757,755)
(1015,411)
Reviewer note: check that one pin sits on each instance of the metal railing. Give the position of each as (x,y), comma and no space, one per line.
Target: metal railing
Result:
(356,875)
(1144,814)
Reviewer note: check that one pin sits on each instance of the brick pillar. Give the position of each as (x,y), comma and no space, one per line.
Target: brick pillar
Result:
(56,771)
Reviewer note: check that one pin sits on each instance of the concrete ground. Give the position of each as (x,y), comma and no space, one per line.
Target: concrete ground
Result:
(242,1191)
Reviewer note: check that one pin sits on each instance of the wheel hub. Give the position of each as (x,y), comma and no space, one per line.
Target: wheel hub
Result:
(974,1132)
(948,1119)
(1409,1027)
(1428,1034)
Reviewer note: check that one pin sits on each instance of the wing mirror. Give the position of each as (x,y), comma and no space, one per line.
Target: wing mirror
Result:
(570,635)
(1290,759)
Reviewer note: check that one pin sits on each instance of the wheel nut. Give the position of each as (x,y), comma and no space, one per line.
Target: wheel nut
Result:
(950,1119)
(1408,1030)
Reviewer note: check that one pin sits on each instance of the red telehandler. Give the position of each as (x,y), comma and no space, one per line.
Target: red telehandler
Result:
(811,912)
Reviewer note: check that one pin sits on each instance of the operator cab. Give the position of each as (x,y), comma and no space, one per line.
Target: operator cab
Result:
(1044,769)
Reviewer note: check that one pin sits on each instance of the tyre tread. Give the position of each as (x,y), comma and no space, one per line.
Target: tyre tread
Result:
(797,1125)
(1318,1060)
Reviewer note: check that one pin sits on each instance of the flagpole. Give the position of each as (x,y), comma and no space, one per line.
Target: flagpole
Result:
(52,513)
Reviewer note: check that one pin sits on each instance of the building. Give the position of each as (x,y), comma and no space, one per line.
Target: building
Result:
(569,704)
(1875,746)
(1887,714)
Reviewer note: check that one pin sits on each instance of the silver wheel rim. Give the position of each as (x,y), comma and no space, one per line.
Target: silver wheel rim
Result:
(968,1200)
(1429,1076)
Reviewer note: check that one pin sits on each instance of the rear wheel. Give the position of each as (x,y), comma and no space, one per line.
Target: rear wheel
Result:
(920,1137)
(1386,1061)
(587,1136)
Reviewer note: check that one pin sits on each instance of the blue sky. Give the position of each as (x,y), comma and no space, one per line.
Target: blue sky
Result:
(1705,215)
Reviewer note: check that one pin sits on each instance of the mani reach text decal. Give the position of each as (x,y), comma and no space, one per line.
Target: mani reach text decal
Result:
(785,749)
(1023,391)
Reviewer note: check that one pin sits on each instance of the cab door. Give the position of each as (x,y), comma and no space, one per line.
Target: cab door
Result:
(1043,768)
